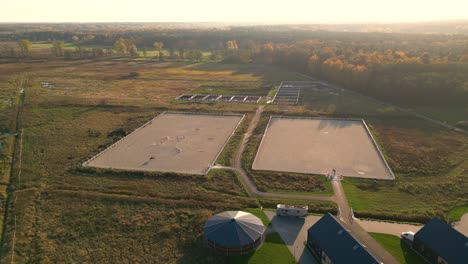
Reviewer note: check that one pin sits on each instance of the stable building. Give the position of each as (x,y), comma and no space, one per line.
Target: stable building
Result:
(234,232)
(439,243)
(331,243)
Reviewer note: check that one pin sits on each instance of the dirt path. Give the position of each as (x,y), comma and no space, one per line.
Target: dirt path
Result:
(249,185)
(16,159)
(339,197)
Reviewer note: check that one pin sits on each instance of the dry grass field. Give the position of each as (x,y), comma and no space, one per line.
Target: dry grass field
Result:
(67,213)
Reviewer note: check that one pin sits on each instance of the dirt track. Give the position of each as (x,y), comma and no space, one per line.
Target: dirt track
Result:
(171,142)
(319,145)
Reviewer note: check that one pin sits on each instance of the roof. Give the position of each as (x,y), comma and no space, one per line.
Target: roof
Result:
(234,228)
(447,242)
(338,243)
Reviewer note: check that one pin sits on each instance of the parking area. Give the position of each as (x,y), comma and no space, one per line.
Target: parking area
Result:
(293,231)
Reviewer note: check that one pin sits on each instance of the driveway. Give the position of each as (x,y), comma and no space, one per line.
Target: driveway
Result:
(387,228)
(293,231)
(462,226)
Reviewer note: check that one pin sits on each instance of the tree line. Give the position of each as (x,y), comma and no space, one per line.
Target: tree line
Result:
(412,68)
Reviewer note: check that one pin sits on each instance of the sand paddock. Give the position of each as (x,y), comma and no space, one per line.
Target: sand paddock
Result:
(171,142)
(316,146)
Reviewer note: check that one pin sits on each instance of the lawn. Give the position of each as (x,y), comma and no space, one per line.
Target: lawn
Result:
(272,251)
(456,213)
(399,249)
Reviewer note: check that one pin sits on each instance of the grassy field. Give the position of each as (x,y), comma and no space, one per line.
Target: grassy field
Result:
(273,251)
(68,214)
(431,167)
(116,216)
(450,114)
(399,249)
(456,213)
(227,156)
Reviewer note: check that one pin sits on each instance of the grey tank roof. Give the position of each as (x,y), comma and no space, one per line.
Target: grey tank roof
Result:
(234,228)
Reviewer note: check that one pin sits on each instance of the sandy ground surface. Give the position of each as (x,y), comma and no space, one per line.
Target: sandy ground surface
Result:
(171,142)
(396,228)
(462,225)
(387,228)
(293,231)
(318,146)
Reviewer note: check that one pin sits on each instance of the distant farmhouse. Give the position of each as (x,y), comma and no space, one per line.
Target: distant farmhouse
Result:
(331,243)
(439,243)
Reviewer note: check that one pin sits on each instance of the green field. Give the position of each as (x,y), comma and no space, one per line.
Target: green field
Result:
(456,213)
(273,251)
(399,249)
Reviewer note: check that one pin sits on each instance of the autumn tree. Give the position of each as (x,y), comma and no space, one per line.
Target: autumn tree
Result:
(158,45)
(57,48)
(24,46)
(121,46)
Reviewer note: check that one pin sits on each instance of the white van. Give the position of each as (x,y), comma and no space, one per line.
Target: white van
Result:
(289,210)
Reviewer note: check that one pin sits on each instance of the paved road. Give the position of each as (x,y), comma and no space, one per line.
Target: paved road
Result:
(293,231)
(462,226)
(339,197)
(356,230)
(387,228)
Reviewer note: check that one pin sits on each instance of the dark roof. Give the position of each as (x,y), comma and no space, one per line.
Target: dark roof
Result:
(445,241)
(234,229)
(337,243)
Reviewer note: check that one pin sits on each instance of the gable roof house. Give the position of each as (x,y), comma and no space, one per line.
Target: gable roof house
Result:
(330,242)
(439,243)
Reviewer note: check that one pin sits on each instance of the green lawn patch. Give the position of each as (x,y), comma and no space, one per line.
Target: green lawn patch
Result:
(456,213)
(399,249)
(272,251)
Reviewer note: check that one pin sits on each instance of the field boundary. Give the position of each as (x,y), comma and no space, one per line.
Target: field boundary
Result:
(118,141)
(374,143)
(85,164)
(363,123)
(225,143)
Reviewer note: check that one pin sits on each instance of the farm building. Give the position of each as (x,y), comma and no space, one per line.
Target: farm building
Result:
(234,232)
(439,243)
(330,242)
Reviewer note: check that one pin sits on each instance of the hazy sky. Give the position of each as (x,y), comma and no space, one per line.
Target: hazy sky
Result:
(313,11)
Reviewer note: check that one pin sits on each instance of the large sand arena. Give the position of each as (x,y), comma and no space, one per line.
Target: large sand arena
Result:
(171,142)
(309,145)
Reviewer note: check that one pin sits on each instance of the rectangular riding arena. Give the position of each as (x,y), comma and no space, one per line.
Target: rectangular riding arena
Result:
(178,142)
(319,145)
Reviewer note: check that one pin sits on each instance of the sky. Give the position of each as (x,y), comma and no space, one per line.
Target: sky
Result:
(272,11)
